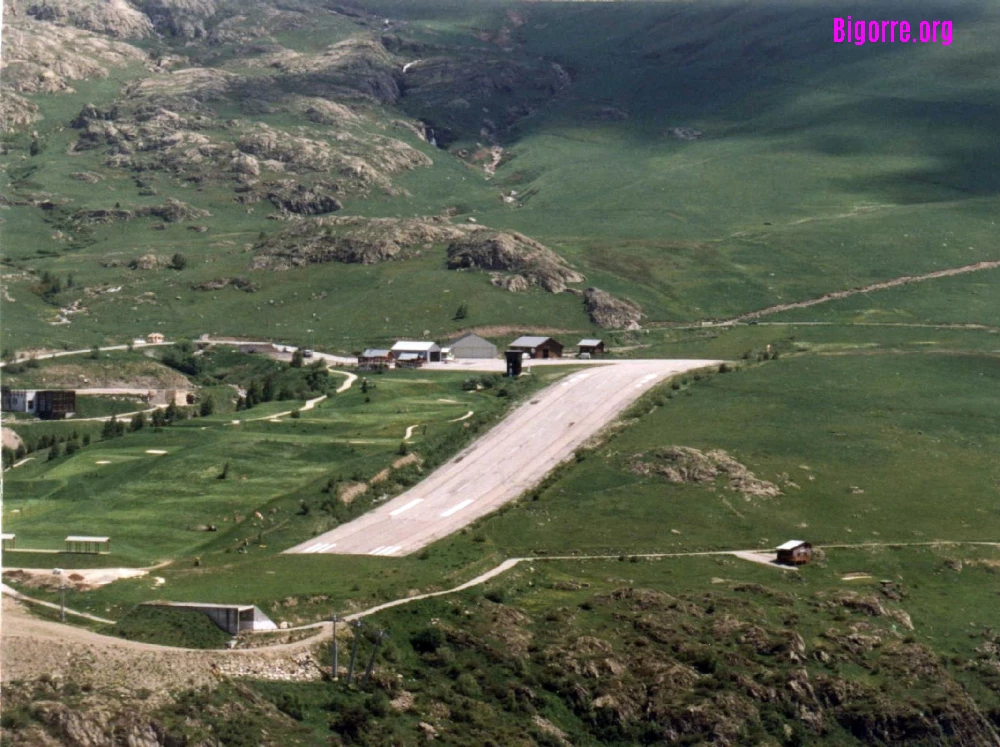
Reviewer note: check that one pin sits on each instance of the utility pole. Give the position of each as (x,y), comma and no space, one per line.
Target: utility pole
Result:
(354,650)
(371,661)
(335,647)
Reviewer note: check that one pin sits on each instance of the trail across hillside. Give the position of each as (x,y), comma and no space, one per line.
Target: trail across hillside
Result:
(837,295)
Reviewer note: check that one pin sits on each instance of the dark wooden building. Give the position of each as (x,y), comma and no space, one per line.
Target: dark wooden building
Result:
(374,359)
(51,404)
(794,552)
(538,347)
(590,347)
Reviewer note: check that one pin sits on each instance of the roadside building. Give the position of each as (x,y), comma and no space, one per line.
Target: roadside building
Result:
(590,347)
(9,540)
(375,359)
(92,545)
(794,552)
(154,338)
(52,404)
(18,400)
(538,347)
(428,352)
(473,346)
(232,618)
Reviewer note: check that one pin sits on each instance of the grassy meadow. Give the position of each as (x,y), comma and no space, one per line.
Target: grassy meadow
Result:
(819,167)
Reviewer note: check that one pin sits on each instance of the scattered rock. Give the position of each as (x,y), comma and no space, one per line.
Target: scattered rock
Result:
(682,464)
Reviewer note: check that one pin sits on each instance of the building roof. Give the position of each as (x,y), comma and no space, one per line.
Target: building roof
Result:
(375,353)
(202,606)
(589,343)
(469,335)
(407,357)
(81,538)
(791,545)
(529,342)
(7,536)
(417,346)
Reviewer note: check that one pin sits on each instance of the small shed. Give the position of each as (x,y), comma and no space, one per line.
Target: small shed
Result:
(538,347)
(92,545)
(473,346)
(794,552)
(590,347)
(426,351)
(154,338)
(9,541)
(374,359)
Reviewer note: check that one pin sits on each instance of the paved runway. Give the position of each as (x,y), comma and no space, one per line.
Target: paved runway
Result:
(502,464)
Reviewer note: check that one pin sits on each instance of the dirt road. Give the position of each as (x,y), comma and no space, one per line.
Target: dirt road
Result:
(504,463)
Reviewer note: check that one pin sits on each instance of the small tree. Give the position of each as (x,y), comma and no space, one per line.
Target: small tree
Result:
(207,406)
(178,261)
(462,311)
(72,446)
(298,359)
(55,452)
(95,352)
(138,422)
(225,472)
(403,449)
(158,419)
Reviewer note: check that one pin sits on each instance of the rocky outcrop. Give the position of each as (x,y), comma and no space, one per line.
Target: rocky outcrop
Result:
(518,261)
(295,197)
(609,312)
(171,211)
(682,464)
(355,68)
(42,57)
(97,726)
(353,240)
(112,17)
(239,283)
(16,112)
(183,18)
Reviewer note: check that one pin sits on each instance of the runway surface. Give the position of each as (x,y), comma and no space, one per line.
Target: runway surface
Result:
(502,464)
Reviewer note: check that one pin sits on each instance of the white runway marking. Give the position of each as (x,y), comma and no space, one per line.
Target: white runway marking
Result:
(320,547)
(645,380)
(455,509)
(407,507)
(385,550)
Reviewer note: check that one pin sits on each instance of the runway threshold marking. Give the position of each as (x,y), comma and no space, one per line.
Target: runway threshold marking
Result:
(319,547)
(407,507)
(456,508)
(385,550)
(645,380)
